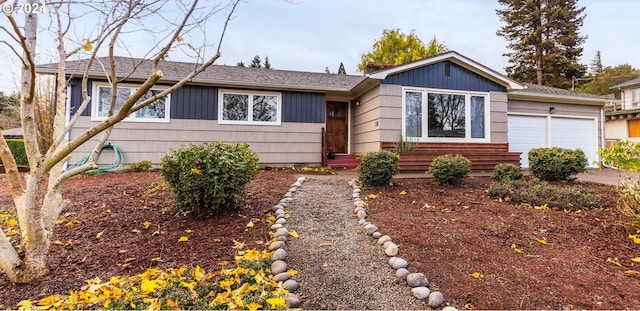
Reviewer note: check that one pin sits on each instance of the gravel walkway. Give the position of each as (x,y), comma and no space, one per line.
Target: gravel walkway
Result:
(338,267)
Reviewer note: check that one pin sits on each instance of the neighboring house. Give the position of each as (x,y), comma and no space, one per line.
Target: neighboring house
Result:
(14,133)
(623,119)
(447,101)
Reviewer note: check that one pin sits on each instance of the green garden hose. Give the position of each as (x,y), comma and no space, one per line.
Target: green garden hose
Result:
(117,160)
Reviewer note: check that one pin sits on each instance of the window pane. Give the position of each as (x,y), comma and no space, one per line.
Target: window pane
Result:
(155,110)
(104,100)
(446,115)
(235,107)
(413,114)
(477,116)
(265,108)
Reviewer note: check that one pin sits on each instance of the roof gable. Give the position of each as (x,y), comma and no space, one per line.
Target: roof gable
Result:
(630,83)
(455,58)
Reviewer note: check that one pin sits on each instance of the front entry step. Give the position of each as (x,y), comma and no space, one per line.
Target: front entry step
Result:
(343,161)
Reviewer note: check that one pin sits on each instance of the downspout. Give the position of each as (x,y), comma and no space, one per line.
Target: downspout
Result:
(602,138)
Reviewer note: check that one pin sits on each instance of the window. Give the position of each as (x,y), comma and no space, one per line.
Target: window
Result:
(450,115)
(240,107)
(635,97)
(158,111)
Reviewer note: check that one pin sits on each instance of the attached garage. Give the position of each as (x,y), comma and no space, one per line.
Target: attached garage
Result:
(526,132)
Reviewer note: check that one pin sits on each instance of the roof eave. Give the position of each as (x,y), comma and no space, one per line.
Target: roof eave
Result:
(562,99)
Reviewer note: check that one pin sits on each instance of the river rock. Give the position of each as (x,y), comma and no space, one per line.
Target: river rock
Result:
(370,229)
(362,215)
(282,232)
(402,273)
(361,221)
(278,267)
(288,195)
(276,226)
(281,221)
(292,300)
(275,245)
(279,254)
(302,179)
(386,244)
(383,239)
(376,235)
(449,308)
(293,189)
(281,277)
(279,212)
(358,209)
(356,190)
(397,263)
(435,299)
(277,207)
(290,285)
(420,292)
(391,250)
(417,280)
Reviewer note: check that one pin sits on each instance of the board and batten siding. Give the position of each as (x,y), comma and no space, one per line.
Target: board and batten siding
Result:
(562,110)
(444,75)
(201,103)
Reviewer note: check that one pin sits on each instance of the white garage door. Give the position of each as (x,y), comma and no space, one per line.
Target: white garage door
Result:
(528,132)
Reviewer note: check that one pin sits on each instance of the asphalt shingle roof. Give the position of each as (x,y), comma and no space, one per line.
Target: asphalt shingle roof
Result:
(625,84)
(136,68)
(541,89)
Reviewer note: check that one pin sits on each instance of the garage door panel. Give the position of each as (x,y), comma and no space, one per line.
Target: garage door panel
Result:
(525,133)
(528,132)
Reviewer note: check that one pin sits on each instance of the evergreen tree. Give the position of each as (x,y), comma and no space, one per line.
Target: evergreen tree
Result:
(341,70)
(267,64)
(596,64)
(395,48)
(256,62)
(240,64)
(544,39)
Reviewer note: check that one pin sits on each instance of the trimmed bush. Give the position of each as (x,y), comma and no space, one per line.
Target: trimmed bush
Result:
(450,169)
(17,148)
(142,166)
(629,206)
(556,164)
(376,168)
(210,177)
(540,193)
(506,171)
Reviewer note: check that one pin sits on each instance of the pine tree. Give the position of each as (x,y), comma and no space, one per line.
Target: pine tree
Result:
(596,64)
(341,70)
(544,39)
(256,62)
(267,64)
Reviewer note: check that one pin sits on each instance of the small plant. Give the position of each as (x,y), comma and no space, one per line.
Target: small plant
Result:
(556,164)
(210,177)
(376,168)
(623,154)
(629,206)
(142,166)
(405,145)
(450,169)
(506,171)
(539,194)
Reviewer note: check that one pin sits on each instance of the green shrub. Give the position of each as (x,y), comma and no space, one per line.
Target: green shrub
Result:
(17,148)
(376,168)
(623,154)
(541,193)
(556,164)
(142,166)
(210,177)
(506,171)
(450,169)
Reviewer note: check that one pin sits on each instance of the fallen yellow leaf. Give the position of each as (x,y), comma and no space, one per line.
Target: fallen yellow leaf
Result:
(130,259)
(11,222)
(292,272)
(135,231)
(614,261)
(183,239)
(146,225)
(476,275)
(541,207)
(188,231)
(469,306)
(237,245)
(57,242)
(635,238)
(12,233)
(403,192)
(516,249)
(542,241)
(293,234)
(156,259)
(326,244)
(631,273)
(250,224)
(372,196)
(636,259)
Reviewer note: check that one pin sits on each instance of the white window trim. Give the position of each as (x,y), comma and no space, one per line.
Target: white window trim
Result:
(425,117)
(250,94)
(132,117)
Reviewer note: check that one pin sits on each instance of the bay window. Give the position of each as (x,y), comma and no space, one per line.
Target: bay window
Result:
(157,111)
(449,115)
(244,107)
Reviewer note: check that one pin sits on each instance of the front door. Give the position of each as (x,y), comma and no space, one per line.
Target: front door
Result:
(337,126)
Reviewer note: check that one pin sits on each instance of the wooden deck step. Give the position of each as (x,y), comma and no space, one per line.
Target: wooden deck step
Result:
(343,161)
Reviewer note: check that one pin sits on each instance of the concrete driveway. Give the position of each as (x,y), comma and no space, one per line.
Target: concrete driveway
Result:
(608,176)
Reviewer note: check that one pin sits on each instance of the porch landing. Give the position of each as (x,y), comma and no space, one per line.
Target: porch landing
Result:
(343,161)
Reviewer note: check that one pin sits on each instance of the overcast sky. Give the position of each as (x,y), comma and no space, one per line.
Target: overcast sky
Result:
(310,35)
